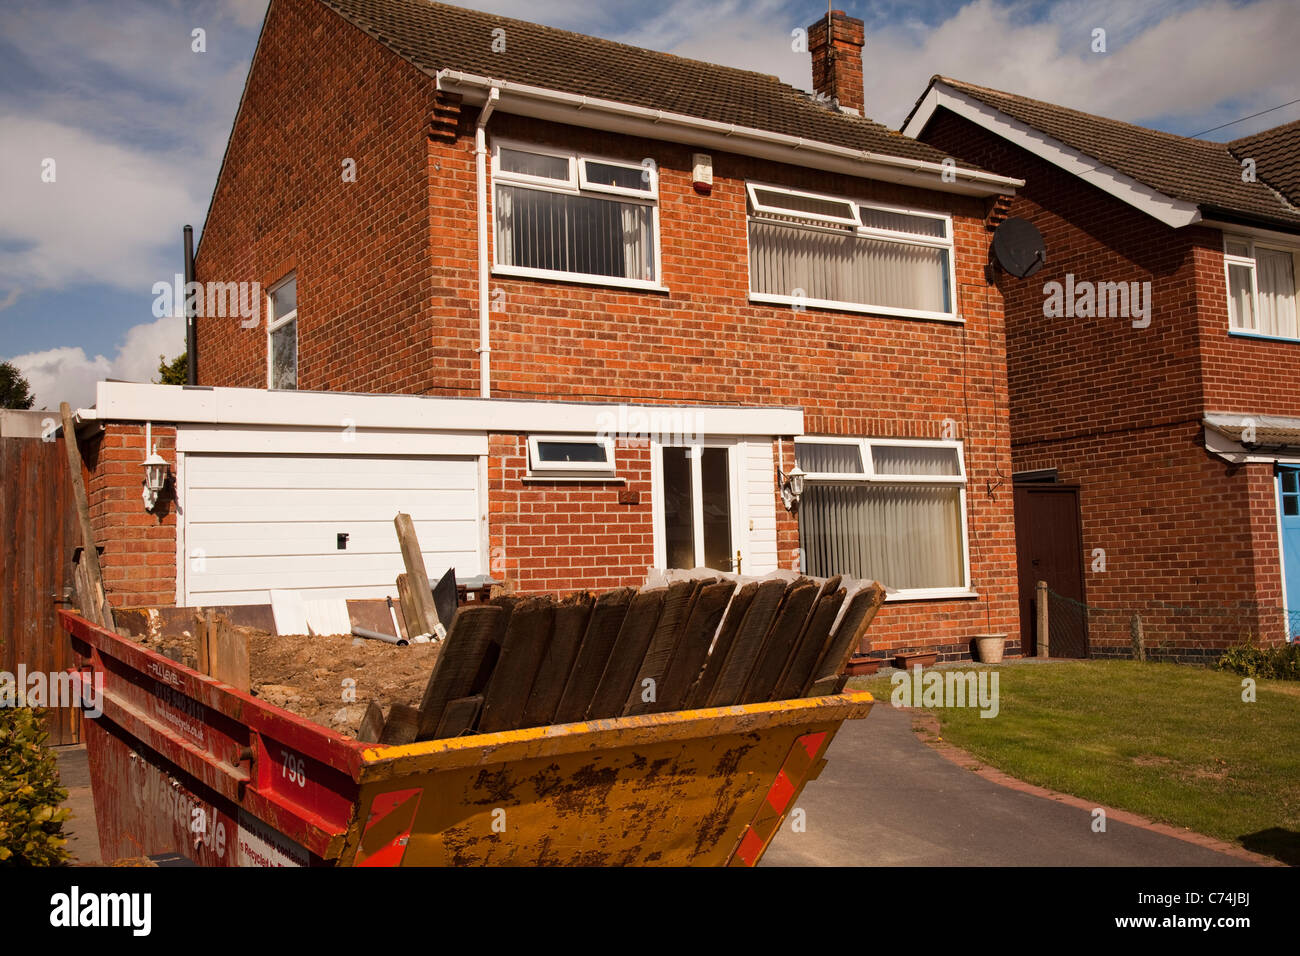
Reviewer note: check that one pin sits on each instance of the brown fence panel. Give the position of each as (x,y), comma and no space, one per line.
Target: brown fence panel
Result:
(38,531)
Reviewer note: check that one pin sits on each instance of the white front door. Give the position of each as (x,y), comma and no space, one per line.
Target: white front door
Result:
(697,506)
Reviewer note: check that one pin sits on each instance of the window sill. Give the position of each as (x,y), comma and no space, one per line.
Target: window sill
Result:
(1240,334)
(518,272)
(570,479)
(931,594)
(880,310)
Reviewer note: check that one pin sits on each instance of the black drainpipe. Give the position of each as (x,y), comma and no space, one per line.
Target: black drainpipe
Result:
(191,334)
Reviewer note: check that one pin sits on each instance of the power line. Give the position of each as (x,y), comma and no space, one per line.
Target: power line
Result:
(1243,119)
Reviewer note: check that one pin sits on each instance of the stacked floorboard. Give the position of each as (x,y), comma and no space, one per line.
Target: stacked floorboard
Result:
(518,662)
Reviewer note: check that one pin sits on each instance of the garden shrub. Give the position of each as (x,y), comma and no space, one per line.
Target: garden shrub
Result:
(1281,662)
(31,823)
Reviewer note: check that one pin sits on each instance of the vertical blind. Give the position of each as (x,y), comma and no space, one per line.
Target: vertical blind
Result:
(905,536)
(564,232)
(838,266)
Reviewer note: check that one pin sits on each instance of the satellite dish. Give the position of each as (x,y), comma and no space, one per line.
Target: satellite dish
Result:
(1019,248)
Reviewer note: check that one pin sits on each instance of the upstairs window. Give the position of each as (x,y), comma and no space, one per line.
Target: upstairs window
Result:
(892,510)
(833,252)
(1261,288)
(282,334)
(574,217)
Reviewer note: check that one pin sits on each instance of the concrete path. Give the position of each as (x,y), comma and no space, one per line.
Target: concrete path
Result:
(887,799)
(74,775)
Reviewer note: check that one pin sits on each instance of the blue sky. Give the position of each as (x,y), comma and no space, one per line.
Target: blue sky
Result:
(136,119)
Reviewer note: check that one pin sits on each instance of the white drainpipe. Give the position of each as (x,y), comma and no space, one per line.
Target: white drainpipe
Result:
(484,268)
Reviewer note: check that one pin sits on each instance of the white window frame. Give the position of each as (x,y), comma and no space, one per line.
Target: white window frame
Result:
(570,469)
(735,478)
(869,475)
(765,213)
(277,322)
(576,185)
(1250,261)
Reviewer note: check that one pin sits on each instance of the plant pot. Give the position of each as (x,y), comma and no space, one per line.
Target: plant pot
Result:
(906,660)
(861,664)
(989,647)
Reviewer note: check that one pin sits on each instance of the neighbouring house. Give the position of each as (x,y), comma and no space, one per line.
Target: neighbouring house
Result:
(1155,422)
(579,308)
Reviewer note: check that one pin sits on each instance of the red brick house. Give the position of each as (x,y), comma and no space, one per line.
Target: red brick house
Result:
(1155,454)
(580,308)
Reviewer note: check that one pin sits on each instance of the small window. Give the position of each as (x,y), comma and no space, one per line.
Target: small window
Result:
(570,456)
(830,458)
(617,177)
(282,334)
(789,202)
(531,165)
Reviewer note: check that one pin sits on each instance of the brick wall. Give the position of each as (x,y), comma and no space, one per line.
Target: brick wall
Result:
(1187,537)
(387,289)
(139,547)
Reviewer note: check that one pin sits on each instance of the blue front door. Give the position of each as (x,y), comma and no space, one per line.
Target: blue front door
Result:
(1289,495)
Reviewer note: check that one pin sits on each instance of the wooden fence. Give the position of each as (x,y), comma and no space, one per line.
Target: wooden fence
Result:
(38,532)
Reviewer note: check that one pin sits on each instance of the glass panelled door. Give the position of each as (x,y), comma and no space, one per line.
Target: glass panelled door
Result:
(696,526)
(1289,527)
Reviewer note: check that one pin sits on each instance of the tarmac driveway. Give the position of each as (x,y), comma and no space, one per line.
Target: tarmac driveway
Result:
(887,799)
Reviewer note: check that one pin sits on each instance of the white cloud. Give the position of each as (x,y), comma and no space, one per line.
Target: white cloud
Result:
(1176,61)
(67,374)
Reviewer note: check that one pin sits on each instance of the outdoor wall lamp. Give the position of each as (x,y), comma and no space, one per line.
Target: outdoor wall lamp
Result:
(155,472)
(792,488)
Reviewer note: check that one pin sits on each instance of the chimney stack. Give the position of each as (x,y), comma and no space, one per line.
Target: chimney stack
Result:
(836,42)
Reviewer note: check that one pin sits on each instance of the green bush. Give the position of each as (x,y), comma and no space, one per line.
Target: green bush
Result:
(1270,663)
(31,823)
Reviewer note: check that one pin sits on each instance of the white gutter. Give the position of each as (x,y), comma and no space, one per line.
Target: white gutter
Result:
(596,113)
(484,267)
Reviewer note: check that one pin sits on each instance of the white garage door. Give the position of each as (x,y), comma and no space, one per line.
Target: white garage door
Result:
(257,523)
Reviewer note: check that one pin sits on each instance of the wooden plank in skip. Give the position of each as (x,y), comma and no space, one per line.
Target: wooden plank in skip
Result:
(526,637)
(747,645)
(417,577)
(629,651)
(372,724)
(96,599)
(654,664)
(692,647)
(780,643)
(402,725)
(602,631)
(812,645)
(460,716)
(464,664)
(228,650)
(572,616)
(848,636)
(726,636)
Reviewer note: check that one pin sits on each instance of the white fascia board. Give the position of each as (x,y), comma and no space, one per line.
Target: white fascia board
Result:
(595,113)
(1216,443)
(242,407)
(1175,213)
(1255,232)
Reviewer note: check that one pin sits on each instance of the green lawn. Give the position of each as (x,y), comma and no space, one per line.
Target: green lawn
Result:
(1173,743)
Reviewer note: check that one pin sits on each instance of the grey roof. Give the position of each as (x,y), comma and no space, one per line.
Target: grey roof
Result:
(1198,171)
(436,36)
